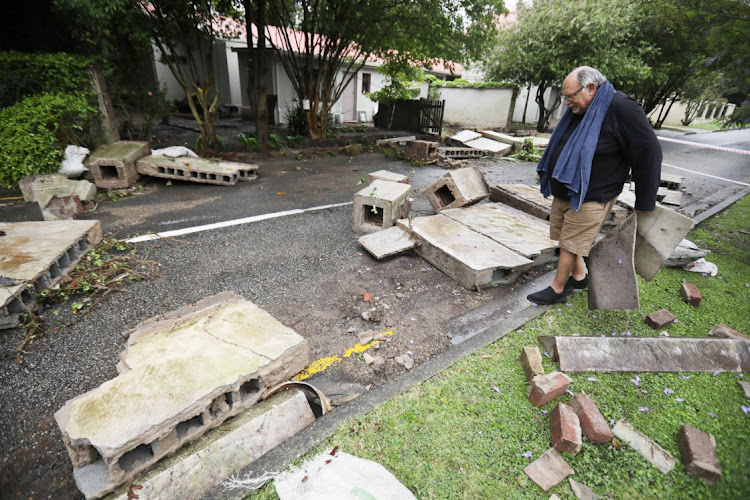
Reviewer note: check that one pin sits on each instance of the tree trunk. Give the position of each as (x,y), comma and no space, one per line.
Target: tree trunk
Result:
(539,99)
(526,104)
(261,70)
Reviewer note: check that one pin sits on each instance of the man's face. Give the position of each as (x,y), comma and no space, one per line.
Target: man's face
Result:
(577,97)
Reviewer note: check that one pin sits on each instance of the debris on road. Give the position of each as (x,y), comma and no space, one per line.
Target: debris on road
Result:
(690,294)
(525,198)
(660,319)
(648,449)
(545,388)
(549,470)
(113,165)
(380,205)
(531,361)
(659,233)
(458,188)
(593,424)
(565,429)
(387,243)
(201,170)
(647,354)
(698,450)
(385,175)
(685,253)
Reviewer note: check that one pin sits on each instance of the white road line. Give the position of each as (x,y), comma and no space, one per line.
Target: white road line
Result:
(707,175)
(235,222)
(705,146)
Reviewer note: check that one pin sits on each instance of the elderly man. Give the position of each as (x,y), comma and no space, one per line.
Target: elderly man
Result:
(602,136)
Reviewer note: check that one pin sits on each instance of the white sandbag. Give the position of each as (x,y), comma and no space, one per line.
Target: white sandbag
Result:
(72,165)
(174,152)
(342,476)
(702,266)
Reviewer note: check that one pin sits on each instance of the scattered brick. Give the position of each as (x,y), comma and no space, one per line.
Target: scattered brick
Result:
(548,470)
(581,491)
(690,294)
(659,319)
(545,388)
(366,297)
(566,429)
(698,450)
(724,332)
(745,386)
(531,360)
(593,424)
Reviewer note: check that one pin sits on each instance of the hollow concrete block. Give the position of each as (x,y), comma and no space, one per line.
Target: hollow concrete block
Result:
(380,205)
(113,166)
(458,188)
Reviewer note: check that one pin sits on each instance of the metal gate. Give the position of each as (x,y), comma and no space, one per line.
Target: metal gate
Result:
(431,117)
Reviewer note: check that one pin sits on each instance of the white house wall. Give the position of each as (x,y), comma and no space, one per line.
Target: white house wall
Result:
(166,79)
(532,111)
(469,107)
(710,111)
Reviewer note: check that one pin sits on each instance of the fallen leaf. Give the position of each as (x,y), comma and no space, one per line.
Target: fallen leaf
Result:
(616,443)
(334,450)
(131,494)
(328,462)
(157,246)
(367,297)
(304,479)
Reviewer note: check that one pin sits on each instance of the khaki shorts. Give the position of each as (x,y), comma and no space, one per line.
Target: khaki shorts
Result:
(576,230)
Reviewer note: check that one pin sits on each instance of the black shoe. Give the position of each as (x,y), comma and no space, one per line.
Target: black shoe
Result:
(546,297)
(573,284)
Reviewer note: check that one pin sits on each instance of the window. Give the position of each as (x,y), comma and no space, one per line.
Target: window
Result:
(365,83)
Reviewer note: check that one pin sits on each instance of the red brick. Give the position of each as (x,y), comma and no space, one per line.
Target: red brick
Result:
(659,319)
(593,424)
(690,294)
(548,470)
(698,450)
(545,388)
(566,429)
(723,331)
(531,360)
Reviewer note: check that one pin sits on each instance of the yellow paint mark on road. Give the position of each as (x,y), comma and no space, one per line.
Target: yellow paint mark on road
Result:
(12,198)
(323,363)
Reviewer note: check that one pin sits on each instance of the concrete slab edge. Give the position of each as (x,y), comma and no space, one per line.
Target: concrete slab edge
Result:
(324,427)
(720,206)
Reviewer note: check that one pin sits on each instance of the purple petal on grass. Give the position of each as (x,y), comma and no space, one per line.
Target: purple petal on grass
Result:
(527,455)
(685,377)
(614,334)
(520,331)
(568,305)
(619,261)
(643,408)
(676,320)
(411,341)
(745,409)
(715,372)
(592,379)
(603,335)
(611,422)
(679,400)
(668,391)
(559,310)
(636,380)
(712,414)
(741,375)
(747,285)
(593,316)
(569,392)
(494,388)
(576,335)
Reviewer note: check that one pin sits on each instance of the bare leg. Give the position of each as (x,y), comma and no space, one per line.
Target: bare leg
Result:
(567,264)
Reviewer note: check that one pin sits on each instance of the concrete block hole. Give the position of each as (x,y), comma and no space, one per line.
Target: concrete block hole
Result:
(373,215)
(189,426)
(445,196)
(108,172)
(130,460)
(250,389)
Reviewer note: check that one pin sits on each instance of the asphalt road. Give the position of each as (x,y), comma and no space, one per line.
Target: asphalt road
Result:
(306,269)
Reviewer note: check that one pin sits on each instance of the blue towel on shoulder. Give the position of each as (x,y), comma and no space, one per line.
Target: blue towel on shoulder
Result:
(573,167)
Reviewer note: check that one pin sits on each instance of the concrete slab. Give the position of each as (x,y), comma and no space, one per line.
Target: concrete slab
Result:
(464,136)
(647,354)
(522,233)
(39,254)
(648,449)
(626,199)
(387,243)
(201,170)
(525,198)
(62,207)
(485,144)
(672,198)
(386,175)
(41,188)
(396,140)
(113,165)
(612,281)
(223,452)
(379,206)
(515,142)
(181,375)
(581,491)
(458,152)
(659,233)
(458,188)
(671,181)
(472,259)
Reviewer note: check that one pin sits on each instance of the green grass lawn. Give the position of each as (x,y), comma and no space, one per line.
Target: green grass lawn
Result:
(455,436)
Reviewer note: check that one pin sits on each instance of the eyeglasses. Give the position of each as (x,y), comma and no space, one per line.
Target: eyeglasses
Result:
(573,95)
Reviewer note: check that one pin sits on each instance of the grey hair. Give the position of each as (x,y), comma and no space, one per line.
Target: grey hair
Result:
(587,74)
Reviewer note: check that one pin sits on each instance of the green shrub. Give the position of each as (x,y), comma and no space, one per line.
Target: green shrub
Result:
(250,142)
(22,75)
(35,130)
(296,120)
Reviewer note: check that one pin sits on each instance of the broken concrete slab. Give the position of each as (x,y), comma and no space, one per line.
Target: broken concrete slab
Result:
(546,388)
(495,147)
(201,170)
(41,188)
(387,243)
(659,233)
(690,294)
(593,424)
(525,198)
(35,255)
(522,233)
(565,429)
(647,354)
(379,206)
(548,470)
(421,150)
(659,319)
(648,449)
(457,152)
(672,198)
(396,140)
(229,352)
(723,331)
(745,386)
(581,491)
(386,175)
(698,450)
(223,452)
(531,361)
(113,165)
(612,281)
(515,142)
(472,259)
(458,188)
(685,253)
(464,136)
(62,207)
(671,181)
